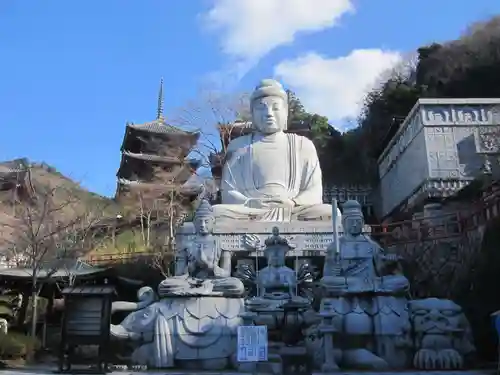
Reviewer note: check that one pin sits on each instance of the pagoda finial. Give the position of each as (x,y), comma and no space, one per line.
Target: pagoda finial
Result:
(159,110)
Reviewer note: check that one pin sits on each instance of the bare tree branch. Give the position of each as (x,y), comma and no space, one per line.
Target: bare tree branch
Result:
(213,114)
(48,231)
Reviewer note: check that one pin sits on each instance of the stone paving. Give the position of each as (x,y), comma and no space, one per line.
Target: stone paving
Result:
(39,371)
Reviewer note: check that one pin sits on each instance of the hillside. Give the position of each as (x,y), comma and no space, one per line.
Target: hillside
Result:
(467,67)
(34,184)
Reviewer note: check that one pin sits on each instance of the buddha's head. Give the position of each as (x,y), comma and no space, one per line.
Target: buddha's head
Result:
(204,218)
(352,218)
(269,107)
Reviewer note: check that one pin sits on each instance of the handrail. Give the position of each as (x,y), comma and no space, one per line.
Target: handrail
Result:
(445,226)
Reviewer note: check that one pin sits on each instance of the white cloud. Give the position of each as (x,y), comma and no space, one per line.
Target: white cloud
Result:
(335,87)
(249,29)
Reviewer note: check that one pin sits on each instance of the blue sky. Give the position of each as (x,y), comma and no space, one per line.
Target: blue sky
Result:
(73,72)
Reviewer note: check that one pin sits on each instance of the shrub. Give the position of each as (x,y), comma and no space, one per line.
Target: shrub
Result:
(16,345)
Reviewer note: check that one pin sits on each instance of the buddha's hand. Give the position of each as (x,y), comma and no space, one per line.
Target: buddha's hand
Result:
(220,272)
(280,202)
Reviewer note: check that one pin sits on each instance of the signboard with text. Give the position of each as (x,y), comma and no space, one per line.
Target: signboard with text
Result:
(252,343)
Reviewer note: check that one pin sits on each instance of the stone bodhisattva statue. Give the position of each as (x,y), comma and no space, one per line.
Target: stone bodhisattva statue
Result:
(194,323)
(367,298)
(203,268)
(276,280)
(271,175)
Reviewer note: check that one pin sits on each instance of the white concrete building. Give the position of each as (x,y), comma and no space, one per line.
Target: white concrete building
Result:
(438,150)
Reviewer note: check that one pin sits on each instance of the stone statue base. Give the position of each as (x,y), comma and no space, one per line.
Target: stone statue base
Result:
(195,333)
(187,286)
(310,238)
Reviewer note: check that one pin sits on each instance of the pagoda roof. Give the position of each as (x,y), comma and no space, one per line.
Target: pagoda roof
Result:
(187,189)
(159,126)
(193,163)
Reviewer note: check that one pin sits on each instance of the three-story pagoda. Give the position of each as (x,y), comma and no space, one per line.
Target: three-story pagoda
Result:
(155,154)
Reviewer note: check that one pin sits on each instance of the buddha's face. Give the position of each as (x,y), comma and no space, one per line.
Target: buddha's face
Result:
(353,225)
(269,114)
(204,225)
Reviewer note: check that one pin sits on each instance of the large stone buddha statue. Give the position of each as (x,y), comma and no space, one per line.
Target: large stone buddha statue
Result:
(270,175)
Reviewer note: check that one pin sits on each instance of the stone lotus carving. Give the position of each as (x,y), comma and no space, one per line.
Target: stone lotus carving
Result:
(442,334)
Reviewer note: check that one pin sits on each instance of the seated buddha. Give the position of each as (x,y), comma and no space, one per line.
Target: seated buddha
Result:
(270,175)
(202,267)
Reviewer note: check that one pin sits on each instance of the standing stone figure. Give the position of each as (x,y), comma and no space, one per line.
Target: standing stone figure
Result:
(270,175)
(203,268)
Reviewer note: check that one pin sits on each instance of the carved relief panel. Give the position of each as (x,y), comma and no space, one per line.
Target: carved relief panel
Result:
(441,152)
(442,115)
(454,136)
(487,140)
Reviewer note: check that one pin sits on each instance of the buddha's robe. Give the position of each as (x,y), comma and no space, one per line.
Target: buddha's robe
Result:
(280,166)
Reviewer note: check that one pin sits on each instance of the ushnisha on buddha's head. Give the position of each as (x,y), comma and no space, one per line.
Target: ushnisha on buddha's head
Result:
(352,218)
(204,218)
(269,107)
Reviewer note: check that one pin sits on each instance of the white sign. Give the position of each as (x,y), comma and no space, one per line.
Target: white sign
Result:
(252,343)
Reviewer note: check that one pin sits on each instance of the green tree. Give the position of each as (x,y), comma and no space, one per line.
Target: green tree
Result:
(465,68)
(321,131)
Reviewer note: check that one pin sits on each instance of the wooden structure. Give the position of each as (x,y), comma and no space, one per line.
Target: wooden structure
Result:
(86,321)
(15,177)
(155,153)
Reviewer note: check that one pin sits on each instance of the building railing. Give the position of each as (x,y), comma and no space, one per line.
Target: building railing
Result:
(119,258)
(446,226)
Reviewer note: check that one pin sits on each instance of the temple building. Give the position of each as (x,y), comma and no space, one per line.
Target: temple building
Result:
(15,178)
(156,153)
(440,151)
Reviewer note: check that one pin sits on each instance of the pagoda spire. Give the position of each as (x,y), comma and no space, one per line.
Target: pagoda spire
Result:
(159,110)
